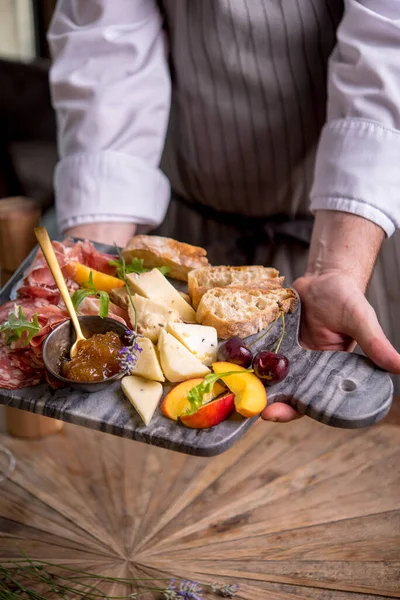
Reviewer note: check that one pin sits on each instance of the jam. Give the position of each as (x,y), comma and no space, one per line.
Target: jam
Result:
(97,358)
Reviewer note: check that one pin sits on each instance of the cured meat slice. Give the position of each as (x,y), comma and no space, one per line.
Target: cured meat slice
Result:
(14,372)
(90,306)
(38,281)
(87,254)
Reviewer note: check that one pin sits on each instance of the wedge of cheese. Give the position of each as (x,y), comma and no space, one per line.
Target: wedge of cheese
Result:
(119,296)
(152,316)
(154,286)
(177,362)
(144,395)
(148,365)
(200,340)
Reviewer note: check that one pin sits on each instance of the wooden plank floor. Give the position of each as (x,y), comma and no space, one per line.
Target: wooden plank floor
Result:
(292,511)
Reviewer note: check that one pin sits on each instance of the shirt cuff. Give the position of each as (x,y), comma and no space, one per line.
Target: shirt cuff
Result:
(357,171)
(109,187)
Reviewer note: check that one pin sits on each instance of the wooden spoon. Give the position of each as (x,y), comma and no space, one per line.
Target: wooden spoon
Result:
(49,254)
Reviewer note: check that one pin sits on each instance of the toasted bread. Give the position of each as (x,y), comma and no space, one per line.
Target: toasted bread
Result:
(253,277)
(242,312)
(157,251)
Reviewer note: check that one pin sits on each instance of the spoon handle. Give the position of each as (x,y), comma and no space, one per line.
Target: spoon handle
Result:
(49,254)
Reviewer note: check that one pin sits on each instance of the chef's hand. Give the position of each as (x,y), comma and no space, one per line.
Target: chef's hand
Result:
(105,233)
(335,312)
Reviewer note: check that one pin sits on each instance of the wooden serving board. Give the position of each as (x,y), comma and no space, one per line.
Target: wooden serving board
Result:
(336,388)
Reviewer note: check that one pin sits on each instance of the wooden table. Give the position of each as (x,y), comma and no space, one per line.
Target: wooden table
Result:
(292,511)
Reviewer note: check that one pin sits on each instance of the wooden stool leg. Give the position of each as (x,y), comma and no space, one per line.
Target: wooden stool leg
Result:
(23,424)
(18,217)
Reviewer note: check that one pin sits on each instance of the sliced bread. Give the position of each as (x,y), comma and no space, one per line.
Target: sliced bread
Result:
(251,277)
(242,312)
(157,251)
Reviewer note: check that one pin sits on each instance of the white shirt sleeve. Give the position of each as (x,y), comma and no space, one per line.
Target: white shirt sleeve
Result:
(110,87)
(358,159)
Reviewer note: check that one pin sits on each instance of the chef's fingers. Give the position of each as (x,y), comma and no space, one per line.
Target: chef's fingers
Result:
(280,413)
(363,326)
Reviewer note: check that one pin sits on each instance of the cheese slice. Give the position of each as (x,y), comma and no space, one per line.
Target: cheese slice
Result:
(200,340)
(151,316)
(148,365)
(155,286)
(177,362)
(144,395)
(120,297)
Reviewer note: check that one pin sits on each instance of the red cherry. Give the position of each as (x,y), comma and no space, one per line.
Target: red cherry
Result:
(234,350)
(270,367)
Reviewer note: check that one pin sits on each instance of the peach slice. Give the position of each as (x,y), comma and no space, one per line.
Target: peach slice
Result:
(250,394)
(212,413)
(101,281)
(176,403)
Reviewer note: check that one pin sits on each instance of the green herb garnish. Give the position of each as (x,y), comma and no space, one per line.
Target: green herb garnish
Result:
(17,325)
(122,275)
(89,289)
(197,393)
(135,266)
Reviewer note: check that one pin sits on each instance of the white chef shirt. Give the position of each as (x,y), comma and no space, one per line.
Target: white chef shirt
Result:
(111,87)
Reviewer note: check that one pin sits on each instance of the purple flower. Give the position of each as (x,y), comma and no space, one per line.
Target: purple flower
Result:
(128,355)
(127,359)
(188,590)
(129,336)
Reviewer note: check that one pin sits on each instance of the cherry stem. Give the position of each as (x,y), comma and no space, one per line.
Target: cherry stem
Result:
(265,332)
(282,334)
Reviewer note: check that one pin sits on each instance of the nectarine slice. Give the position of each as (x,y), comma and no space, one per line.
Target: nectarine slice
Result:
(212,413)
(176,402)
(250,394)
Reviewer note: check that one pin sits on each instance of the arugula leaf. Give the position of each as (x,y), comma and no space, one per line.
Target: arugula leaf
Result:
(104,304)
(197,393)
(17,325)
(89,289)
(89,284)
(79,296)
(164,270)
(135,266)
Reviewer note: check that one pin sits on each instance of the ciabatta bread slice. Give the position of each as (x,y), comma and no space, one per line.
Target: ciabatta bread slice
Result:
(242,312)
(157,251)
(252,277)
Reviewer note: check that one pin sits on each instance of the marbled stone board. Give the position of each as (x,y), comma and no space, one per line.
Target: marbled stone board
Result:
(337,388)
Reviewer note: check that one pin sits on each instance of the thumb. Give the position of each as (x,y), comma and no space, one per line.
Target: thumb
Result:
(363,326)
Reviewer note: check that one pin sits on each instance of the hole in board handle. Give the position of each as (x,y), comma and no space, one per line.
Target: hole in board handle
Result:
(348,385)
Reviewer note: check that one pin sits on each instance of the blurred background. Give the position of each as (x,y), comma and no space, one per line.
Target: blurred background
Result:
(28,151)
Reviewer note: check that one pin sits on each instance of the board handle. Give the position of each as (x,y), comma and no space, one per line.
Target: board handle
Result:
(340,389)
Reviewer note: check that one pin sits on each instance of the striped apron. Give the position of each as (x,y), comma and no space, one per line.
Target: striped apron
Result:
(248,105)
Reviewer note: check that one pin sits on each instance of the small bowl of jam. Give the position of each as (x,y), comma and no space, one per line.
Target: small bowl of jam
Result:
(97,362)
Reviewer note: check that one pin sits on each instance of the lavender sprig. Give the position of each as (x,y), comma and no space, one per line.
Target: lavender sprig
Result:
(229,590)
(129,354)
(187,590)
(20,578)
